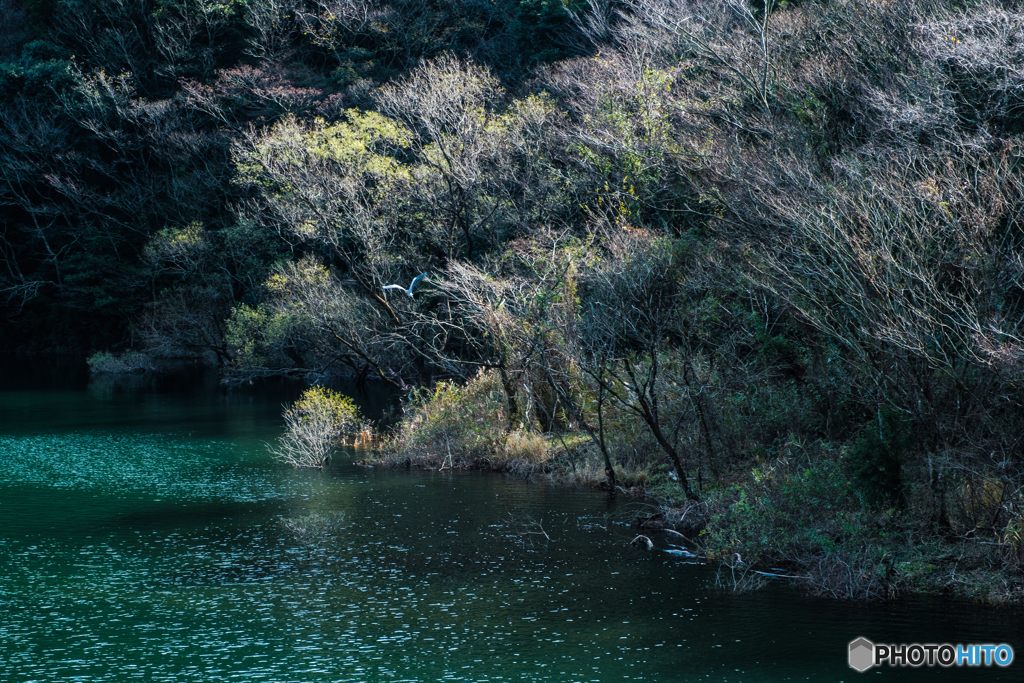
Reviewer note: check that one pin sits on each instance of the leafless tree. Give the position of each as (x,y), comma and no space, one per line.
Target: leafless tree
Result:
(186,36)
(480,171)
(632,328)
(728,34)
(336,25)
(273,26)
(905,259)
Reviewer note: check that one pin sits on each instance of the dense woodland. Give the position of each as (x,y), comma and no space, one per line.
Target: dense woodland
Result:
(761,260)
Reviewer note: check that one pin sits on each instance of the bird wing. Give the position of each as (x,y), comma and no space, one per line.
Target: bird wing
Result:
(416,279)
(394,287)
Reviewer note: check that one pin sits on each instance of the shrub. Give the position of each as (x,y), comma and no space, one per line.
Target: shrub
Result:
(316,424)
(530,447)
(873,462)
(977,503)
(1013,540)
(452,421)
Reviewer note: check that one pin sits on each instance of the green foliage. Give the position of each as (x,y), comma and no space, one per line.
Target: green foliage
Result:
(317,422)
(323,404)
(254,333)
(365,143)
(358,142)
(40,14)
(542,23)
(787,509)
(455,422)
(874,461)
(41,73)
(180,248)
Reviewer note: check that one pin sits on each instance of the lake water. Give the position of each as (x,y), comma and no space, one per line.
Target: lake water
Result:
(146,534)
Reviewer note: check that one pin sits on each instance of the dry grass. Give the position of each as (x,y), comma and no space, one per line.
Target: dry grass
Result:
(530,447)
(462,426)
(451,425)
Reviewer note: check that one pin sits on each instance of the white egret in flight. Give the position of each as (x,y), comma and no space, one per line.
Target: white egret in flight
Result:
(411,287)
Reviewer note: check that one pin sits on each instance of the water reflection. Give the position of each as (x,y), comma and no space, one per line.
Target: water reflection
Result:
(147,533)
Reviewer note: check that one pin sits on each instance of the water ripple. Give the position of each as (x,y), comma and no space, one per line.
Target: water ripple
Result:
(166,558)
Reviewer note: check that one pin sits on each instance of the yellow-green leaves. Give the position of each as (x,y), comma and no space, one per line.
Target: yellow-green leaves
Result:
(316,424)
(322,404)
(176,247)
(299,276)
(361,143)
(332,183)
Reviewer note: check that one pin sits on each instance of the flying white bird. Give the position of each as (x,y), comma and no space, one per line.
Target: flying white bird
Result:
(411,287)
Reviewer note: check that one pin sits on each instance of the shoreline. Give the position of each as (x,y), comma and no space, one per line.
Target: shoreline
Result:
(880,562)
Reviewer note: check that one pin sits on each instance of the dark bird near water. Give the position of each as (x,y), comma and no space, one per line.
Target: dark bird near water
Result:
(411,287)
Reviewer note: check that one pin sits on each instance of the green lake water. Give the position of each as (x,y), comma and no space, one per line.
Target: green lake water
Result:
(146,534)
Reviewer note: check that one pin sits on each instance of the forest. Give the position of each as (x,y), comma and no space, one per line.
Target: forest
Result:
(760,261)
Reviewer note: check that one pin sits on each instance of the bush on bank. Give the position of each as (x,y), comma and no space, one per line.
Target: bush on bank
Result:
(316,424)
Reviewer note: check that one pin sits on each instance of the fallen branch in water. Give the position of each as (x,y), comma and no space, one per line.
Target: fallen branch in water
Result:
(527,526)
(644,541)
(780,576)
(676,533)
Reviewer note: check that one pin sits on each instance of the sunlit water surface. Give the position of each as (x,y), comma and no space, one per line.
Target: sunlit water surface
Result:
(146,534)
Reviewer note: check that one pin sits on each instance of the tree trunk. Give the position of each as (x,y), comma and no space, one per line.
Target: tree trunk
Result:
(669,450)
(509,385)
